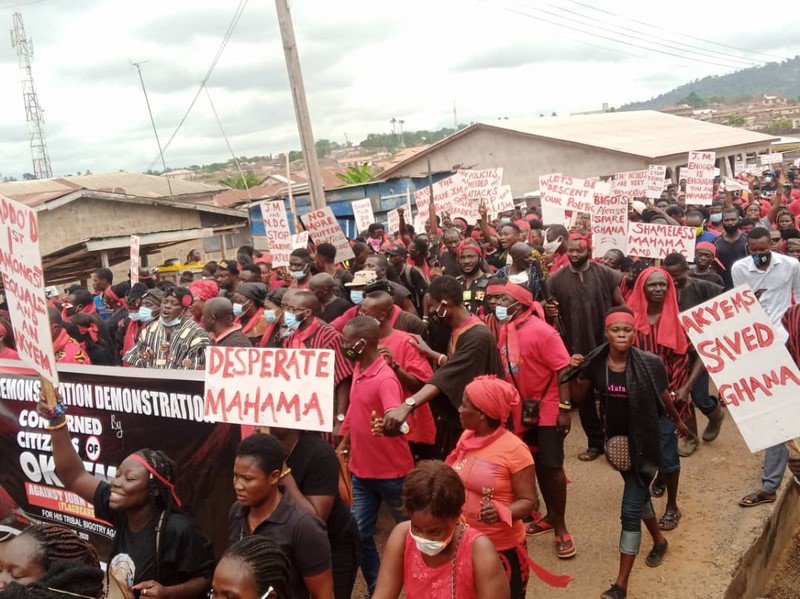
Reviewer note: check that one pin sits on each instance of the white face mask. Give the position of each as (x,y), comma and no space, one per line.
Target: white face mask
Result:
(550,247)
(520,278)
(429,547)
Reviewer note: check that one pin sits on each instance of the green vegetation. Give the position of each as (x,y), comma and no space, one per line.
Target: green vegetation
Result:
(356,173)
(247,181)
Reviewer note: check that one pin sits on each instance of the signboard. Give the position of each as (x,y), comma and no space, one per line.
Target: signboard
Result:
(323,227)
(362,212)
(567,193)
(774,158)
(393,218)
(757,379)
(445,193)
(23,283)
(287,388)
(656,175)
(481,185)
(134,270)
(112,412)
(699,175)
(300,241)
(658,241)
(632,184)
(501,202)
(276,228)
(609,224)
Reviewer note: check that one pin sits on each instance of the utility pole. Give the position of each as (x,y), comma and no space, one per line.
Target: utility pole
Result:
(33,112)
(153,122)
(455,116)
(300,104)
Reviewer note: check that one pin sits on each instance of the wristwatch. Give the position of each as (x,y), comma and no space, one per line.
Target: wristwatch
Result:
(339,417)
(411,403)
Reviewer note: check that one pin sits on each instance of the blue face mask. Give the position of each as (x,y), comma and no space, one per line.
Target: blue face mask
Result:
(144,315)
(501,312)
(171,323)
(271,316)
(298,275)
(716,218)
(238,310)
(356,296)
(291,321)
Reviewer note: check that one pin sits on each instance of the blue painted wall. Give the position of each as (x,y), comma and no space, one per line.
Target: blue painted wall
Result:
(385,196)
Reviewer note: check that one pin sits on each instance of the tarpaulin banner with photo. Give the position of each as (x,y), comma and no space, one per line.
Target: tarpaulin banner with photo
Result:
(112,413)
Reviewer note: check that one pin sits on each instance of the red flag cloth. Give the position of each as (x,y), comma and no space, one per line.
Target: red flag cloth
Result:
(670,332)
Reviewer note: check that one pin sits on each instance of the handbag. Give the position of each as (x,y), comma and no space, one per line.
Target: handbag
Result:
(530,406)
(617,448)
(345,482)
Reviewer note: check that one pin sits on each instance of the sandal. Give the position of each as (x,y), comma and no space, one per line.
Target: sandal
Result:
(656,555)
(538,527)
(590,455)
(757,498)
(565,547)
(615,592)
(669,521)
(658,488)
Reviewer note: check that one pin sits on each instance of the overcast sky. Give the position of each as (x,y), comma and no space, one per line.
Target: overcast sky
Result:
(364,62)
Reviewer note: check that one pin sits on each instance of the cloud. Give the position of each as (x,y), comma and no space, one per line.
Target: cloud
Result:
(517,55)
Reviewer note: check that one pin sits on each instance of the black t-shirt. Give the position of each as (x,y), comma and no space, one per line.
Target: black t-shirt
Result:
(335,309)
(185,552)
(728,253)
(315,469)
(710,276)
(301,535)
(616,404)
(697,292)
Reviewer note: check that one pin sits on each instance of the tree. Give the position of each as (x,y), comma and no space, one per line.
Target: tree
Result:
(28,177)
(325,146)
(356,173)
(694,101)
(735,120)
(249,180)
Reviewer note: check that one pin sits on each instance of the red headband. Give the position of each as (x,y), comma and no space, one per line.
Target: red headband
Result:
(158,476)
(469,244)
(578,237)
(495,289)
(710,247)
(616,317)
(518,292)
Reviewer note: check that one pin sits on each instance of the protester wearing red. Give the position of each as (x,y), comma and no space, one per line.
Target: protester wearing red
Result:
(202,291)
(66,349)
(6,352)
(378,462)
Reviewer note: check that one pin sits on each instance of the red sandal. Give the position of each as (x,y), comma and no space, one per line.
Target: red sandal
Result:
(565,546)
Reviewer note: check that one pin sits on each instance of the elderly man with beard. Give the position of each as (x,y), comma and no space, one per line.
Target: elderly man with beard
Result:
(582,294)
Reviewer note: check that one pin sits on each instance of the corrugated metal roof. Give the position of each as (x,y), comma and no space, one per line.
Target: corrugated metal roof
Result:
(645,133)
(36,192)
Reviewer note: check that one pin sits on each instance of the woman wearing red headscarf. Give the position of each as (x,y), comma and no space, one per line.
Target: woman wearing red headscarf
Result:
(634,390)
(498,473)
(202,291)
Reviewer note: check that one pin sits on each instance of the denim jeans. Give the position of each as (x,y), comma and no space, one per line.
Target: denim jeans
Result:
(367,496)
(775,460)
(670,458)
(700,395)
(636,506)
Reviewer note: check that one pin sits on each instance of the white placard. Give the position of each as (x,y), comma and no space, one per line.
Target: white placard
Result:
(362,212)
(658,241)
(757,379)
(699,175)
(445,193)
(656,182)
(276,227)
(482,185)
(609,224)
(503,201)
(631,183)
(300,240)
(774,158)
(134,268)
(286,388)
(323,227)
(567,193)
(23,283)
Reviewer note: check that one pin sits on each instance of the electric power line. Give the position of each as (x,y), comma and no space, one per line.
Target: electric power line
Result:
(226,38)
(228,143)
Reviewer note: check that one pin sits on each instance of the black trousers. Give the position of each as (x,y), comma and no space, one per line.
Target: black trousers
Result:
(345,561)
(590,421)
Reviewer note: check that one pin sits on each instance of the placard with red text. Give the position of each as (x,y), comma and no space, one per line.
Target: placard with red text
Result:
(647,240)
(609,224)
(757,379)
(276,227)
(567,193)
(323,227)
(699,174)
(287,388)
(23,283)
(362,212)
(134,267)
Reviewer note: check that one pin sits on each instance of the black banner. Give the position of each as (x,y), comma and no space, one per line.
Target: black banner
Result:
(112,413)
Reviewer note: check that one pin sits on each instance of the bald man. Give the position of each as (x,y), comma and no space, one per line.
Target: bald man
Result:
(402,296)
(218,320)
(323,286)
(522,269)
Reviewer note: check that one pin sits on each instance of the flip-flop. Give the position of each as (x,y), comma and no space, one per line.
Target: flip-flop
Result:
(539,527)
(669,521)
(656,555)
(590,455)
(657,489)
(565,547)
(757,498)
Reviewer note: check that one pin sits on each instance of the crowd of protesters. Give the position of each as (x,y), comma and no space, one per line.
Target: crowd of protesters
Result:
(462,352)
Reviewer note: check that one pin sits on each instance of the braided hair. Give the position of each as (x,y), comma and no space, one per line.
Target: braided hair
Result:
(160,494)
(58,542)
(64,579)
(266,562)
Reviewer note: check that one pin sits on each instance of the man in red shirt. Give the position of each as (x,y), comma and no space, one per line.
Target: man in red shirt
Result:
(412,368)
(378,462)
(534,357)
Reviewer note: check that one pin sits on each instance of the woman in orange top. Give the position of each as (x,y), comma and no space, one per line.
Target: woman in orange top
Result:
(498,473)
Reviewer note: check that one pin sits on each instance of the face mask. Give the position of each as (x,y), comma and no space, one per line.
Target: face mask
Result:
(298,275)
(134,316)
(550,247)
(356,296)
(731,228)
(762,259)
(502,312)
(441,311)
(698,231)
(716,218)
(291,321)
(238,310)
(145,314)
(171,323)
(429,547)
(351,353)
(520,278)
(271,316)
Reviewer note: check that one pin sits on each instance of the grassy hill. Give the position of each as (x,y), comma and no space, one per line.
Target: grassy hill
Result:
(777,78)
